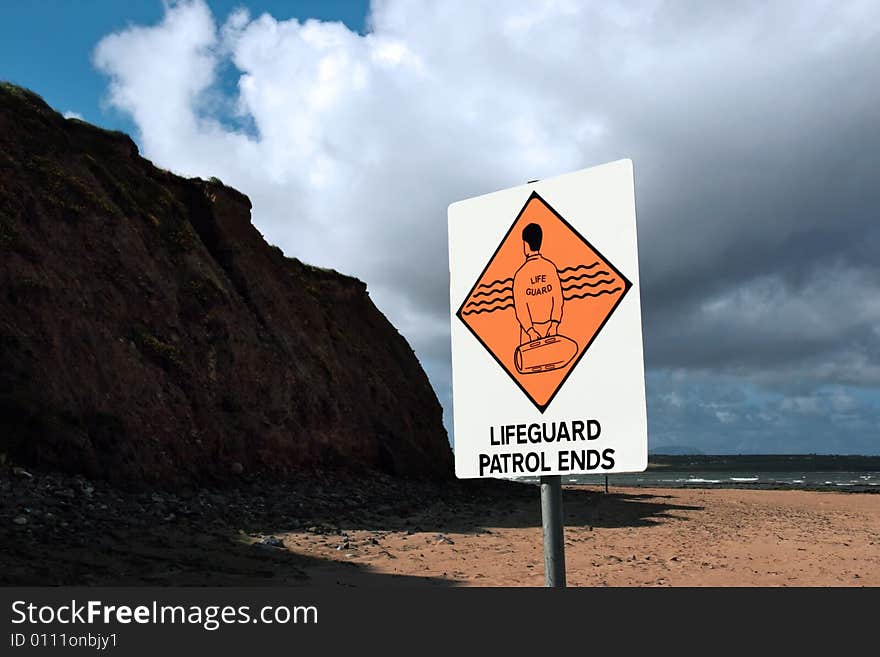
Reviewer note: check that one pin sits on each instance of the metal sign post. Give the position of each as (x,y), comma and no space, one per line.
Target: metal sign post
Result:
(554,537)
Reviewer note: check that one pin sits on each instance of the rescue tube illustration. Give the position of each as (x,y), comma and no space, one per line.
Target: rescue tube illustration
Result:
(544,355)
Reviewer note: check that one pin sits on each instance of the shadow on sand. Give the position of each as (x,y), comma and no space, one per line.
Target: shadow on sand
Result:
(582,508)
(510,506)
(116,544)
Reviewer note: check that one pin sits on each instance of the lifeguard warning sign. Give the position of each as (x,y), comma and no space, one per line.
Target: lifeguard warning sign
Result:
(547,365)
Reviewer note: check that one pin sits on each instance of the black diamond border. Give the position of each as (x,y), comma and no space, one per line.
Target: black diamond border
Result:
(626,288)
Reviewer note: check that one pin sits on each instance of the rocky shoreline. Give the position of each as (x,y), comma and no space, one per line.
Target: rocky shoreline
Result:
(58,529)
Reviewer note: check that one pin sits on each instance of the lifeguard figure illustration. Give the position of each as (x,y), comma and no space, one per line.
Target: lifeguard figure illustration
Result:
(538,302)
(537,292)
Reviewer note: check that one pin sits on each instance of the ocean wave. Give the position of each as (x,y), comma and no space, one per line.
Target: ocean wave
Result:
(744,479)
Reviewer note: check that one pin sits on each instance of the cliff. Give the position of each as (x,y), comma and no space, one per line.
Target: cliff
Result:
(149,334)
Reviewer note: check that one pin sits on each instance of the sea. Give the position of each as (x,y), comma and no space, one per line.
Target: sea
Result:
(845,473)
(853,482)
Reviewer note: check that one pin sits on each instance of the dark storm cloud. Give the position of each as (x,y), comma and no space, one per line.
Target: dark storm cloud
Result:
(777,179)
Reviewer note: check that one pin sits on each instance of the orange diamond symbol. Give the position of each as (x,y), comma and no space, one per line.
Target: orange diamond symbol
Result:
(542,299)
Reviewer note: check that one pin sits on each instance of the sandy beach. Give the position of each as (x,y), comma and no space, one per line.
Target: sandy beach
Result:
(641,537)
(378,531)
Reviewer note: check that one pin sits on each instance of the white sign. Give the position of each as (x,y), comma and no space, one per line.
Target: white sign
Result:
(547,366)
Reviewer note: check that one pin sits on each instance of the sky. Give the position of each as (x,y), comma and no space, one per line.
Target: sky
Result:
(754,129)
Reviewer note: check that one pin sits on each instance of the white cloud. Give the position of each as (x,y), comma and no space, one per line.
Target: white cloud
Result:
(351,146)
(72,115)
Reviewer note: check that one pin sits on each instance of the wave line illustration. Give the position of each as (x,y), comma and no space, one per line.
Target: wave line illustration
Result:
(596,284)
(506,288)
(489,302)
(485,310)
(565,269)
(593,294)
(598,273)
(500,280)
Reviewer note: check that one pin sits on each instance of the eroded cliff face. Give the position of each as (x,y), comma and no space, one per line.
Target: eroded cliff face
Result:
(148,333)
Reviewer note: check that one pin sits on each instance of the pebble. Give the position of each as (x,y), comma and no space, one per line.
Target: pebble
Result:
(272,541)
(20,520)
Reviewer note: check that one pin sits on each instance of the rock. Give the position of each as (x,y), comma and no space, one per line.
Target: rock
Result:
(20,520)
(272,541)
(442,538)
(237,468)
(211,340)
